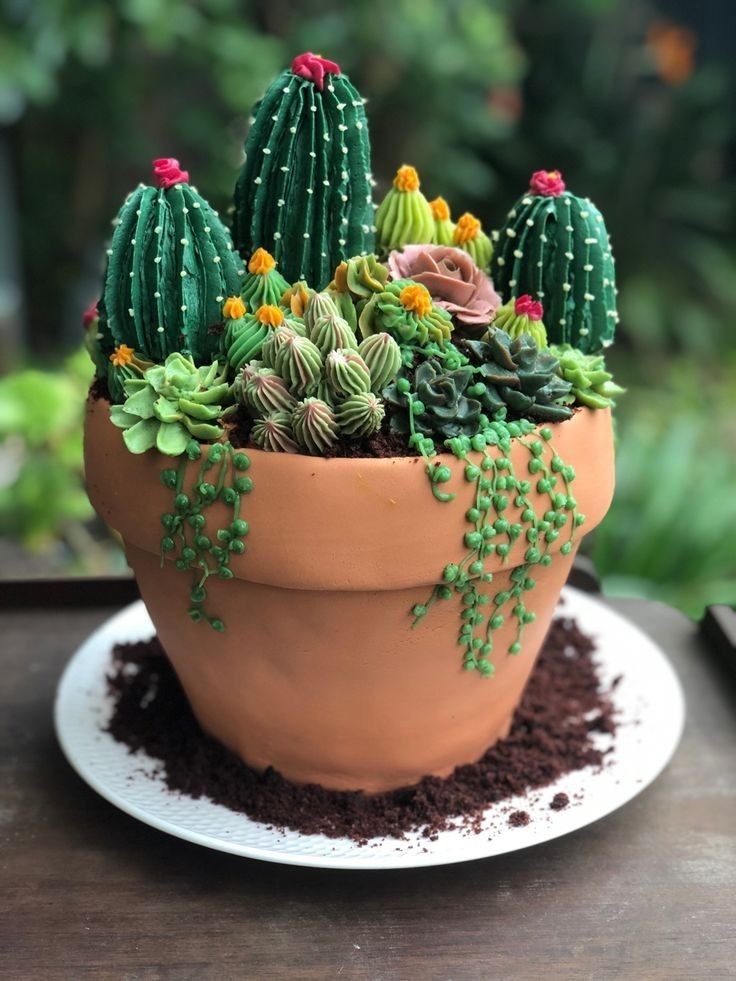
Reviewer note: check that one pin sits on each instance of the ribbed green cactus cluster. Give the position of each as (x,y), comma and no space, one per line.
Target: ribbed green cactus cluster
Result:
(555,247)
(304,191)
(170,267)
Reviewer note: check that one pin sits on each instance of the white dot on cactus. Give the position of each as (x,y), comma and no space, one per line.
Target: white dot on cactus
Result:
(275,117)
(280,203)
(606,282)
(98,337)
(306,235)
(160,330)
(266,150)
(184,241)
(183,273)
(157,259)
(344,149)
(518,254)
(115,222)
(109,251)
(183,308)
(512,283)
(599,217)
(365,228)
(588,297)
(342,127)
(567,201)
(542,237)
(157,295)
(343,197)
(563,322)
(584,214)
(284,169)
(530,223)
(374,228)
(130,311)
(132,241)
(587,267)
(323,255)
(185,211)
(569,255)
(607,343)
(591,241)
(540,294)
(568,228)
(292,129)
(219,299)
(285,88)
(341,105)
(207,229)
(344,175)
(251,120)
(216,259)
(511,232)
(566,287)
(330,87)
(343,221)
(369,199)
(138,212)
(495,236)
(501,261)
(326,183)
(359,125)
(310,190)
(157,230)
(257,180)
(312,154)
(131,274)
(540,264)
(341,241)
(584,331)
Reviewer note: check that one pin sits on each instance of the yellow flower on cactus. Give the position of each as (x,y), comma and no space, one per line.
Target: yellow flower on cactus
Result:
(261,262)
(467,229)
(469,236)
(440,209)
(406,179)
(271,315)
(122,355)
(416,298)
(234,308)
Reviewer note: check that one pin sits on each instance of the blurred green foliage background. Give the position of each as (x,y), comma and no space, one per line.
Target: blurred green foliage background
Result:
(633,100)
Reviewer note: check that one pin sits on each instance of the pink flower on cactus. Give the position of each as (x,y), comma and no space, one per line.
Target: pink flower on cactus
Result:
(548,183)
(167,172)
(524,304)
(314,68)
(90,315)
(452,278)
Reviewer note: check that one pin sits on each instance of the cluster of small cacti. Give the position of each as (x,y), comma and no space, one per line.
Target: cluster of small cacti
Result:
(312,382)
(406,217)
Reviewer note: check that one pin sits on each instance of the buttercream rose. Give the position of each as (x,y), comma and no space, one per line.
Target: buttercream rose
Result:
(167,172)
(548,183)
(453,280)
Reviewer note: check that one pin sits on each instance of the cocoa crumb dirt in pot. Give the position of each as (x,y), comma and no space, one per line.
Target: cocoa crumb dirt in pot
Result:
(551,734)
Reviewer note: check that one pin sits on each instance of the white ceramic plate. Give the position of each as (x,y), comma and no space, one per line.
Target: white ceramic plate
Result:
(651,713)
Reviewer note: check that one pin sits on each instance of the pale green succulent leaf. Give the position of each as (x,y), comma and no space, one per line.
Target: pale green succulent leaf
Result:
(203,430)
(197,411)
(172,439)
(119,417)
(166,410)
(141,403)
(142,436)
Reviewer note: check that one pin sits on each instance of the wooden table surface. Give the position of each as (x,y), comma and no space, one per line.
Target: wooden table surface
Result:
(88,892)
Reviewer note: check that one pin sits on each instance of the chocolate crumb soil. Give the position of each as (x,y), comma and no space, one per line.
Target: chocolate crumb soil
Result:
(559,802)
(552,734)
(519,819)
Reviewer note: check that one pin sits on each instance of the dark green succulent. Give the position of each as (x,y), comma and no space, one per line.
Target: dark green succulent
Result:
(433,400)
(517,376)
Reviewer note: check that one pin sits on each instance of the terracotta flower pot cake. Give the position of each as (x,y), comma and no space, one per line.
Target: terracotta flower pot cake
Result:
(350,470)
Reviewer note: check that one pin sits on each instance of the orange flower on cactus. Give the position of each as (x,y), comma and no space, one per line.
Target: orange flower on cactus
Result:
(467,228)
(270,315)
(122,355)
(261,262)
(406,179)
(234,308)
(417,299)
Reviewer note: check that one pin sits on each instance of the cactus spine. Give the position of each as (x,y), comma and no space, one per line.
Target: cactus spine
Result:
(555,247)
(304,191)
(171,265)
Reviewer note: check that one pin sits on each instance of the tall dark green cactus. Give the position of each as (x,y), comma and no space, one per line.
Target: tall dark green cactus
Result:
(304,191)
(171,266)
(555,247)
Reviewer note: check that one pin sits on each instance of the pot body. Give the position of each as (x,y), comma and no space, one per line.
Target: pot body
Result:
(319,672)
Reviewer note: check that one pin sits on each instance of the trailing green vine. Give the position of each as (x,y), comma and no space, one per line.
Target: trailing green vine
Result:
(186,539)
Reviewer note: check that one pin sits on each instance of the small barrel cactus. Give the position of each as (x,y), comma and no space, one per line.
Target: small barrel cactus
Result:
(434,400)
(469,236)
(263,283)
(331,333)
(360,414)
(171,405)
(265,391)
(444,226)
(244,336)
(170,267)
(382,355)
(592,384)
(299,363)
(315,426)
(347,373)
(305,188)
(405,310)
(404,216)
(274,432)
(516,375)
(318,306)
(555,247)
(522,316)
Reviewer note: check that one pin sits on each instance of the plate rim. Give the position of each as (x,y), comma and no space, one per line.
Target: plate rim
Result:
(403,859)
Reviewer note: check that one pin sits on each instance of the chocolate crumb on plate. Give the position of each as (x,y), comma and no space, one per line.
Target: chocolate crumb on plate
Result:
(559,802)
(550,736)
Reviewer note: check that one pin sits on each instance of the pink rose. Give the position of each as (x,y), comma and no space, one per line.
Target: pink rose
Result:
(524,304)
(452,278)
(167,172)
(548,183)
(314,68)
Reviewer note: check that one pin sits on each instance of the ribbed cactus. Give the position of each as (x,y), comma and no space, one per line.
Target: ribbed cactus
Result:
(170,267)
(555,247)
(304,191)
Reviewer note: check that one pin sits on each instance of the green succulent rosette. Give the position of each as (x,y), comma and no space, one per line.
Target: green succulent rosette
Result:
(592,385)
(434,400)
(517,376)
(263,284)
(172,404)
(361,277)
(406,311)
(360,414)
(382,355)
(404,217)
(315,426)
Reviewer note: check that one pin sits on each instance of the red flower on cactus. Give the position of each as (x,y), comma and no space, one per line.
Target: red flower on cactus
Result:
(90,315)
(314,68)
(167,172)
(526,305)
(548,183)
